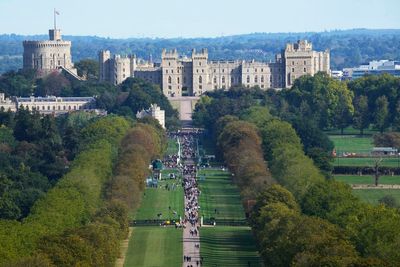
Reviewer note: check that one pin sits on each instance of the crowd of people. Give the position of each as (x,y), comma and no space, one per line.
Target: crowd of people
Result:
(191,192)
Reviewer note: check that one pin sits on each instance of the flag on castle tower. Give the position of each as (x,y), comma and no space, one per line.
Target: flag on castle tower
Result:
(57,13)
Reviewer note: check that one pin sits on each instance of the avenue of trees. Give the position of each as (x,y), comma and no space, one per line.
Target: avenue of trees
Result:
(82,218)
(309,218)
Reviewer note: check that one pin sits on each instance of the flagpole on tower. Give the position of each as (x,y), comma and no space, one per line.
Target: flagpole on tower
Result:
(55,20)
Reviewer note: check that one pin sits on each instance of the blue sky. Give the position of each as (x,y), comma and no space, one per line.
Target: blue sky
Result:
(188,18)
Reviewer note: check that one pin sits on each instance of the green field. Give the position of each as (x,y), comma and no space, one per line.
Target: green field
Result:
(373,195)
(228,246)
(367,179)
(352,144)
(366,162)
(219,192)
(158,200)
(155,246)
(172,148)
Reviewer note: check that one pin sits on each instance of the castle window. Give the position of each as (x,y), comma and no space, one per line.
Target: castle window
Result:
(223,79)
(256,79)
(215,87)
(197,71)
(305,69)
(215,79)
(262,79)
(223,70)
(43,108)
(247,70)
(169,87)
(59,62)
(248,79)
(293,63)
(59,107)
(200,79)
(200,86)
(123,76)
(202,70)
(215,70)
(172,71)
(169,63)
(166,71)
(69,107)
(54,107)
(292,69)
(262,70)
(48,107)
(177,70)
(255,70)
(123,70)
(262,85)
(169,79)
(199,63)
(64,108)
(178,79)
(305,63)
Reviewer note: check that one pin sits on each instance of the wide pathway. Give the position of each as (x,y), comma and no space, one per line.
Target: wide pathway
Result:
(191,231)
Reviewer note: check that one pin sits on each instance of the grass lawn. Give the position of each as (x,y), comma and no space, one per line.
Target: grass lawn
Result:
(228,246)
(367,179)
(155,246)
(218,192)
(373,195)
(366,162)
(172,148)
(349,143)
(158,200)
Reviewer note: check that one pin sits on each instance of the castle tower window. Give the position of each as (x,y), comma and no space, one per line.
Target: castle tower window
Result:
(305,63)
(64,108)
(223,79)
(69,107)
(256,79)
(200,79)
(255,70)
(48,107)
(262,79)
(59,107)
(169,63)
(166,71)
(215,79)
(178,79)
(305,69)
(293,63)
(223,70)
(199,63)
(248,79)
(169,79)
(262,70)
(43,108)
(292,69)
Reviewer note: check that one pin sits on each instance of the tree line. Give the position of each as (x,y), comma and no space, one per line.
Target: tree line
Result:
(306,219)
(81,220)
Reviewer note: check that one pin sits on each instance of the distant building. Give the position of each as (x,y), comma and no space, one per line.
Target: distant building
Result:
(155,112)
(49,55)
(192,76)
(376,67)
(7,104)
(48,104)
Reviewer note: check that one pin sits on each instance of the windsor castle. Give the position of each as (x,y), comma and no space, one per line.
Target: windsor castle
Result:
(192,76)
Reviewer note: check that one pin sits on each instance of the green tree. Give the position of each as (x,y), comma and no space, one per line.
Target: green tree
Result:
(381,113)
(361,118)
(88,68)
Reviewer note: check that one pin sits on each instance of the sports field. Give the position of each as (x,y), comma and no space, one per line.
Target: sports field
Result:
(160,200)
(219,197)
(228,246)
(373,195)
(367,179)
(154,246)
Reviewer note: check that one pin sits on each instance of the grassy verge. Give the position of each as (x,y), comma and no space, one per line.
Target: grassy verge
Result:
(366,162)
(354,144)
(160,200)
(219,193)
(155,246)
(228,246)
(373,195)
(367,179)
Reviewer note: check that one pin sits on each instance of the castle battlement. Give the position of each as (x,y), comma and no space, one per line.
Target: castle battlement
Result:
(192,76)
